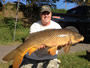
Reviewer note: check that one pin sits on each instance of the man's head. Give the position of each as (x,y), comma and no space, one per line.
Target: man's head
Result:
(45,14)
(45,8)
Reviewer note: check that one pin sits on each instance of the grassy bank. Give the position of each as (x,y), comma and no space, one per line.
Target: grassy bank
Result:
(7,31)
(72,60)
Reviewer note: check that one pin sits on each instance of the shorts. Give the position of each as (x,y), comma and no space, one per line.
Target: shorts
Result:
(30,63)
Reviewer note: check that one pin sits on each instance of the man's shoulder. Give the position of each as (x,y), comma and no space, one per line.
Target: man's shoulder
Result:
(36,23)
(54,22)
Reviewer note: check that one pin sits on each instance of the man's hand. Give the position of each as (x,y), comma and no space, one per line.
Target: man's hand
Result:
(42,46)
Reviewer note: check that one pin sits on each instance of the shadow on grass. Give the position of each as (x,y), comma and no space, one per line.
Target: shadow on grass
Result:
(85,57)
(10,66)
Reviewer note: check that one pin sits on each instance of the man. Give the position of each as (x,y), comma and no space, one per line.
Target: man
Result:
(41,58)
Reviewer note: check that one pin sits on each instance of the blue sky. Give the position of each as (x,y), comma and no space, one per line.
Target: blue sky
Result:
(23,1)
(60,4)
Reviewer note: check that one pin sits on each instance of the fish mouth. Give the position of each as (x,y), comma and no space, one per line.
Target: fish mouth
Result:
(82,38)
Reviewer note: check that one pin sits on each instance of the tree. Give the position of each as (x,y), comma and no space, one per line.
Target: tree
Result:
(3,3)
(40,2)
(16,20)
(79,2)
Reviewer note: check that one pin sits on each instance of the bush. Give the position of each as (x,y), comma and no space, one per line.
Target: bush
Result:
(59,10)
(7,31)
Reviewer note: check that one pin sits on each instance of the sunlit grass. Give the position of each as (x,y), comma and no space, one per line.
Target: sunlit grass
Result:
(5,65)
(74,60)
(7,32)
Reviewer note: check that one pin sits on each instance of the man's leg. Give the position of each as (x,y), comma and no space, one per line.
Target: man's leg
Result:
(52,64)
(28,63)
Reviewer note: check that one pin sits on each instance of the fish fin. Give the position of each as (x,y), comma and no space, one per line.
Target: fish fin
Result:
(67,48)
(33,49)
(10,56)
(52,50)
(17,61)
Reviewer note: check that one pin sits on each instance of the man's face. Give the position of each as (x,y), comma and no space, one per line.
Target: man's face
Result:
(45,17)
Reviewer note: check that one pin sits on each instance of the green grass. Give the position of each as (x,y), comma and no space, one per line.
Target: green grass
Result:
(71,60)
(7,31)
(6,35)
(74,60)
(5,65)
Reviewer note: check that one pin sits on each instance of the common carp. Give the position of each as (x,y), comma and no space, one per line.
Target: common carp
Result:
(52,38)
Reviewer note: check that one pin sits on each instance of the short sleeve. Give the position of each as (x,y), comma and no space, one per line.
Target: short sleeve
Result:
(57,26)
(34,28)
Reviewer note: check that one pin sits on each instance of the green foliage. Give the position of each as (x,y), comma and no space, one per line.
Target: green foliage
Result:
(32,1)
(59,10)
(6,35)
(9,6)
(1,19)
(5,65)
(41,2)
(21,34)
(10,22)
(7,30)
(79,2)
(31,12)
(74,60)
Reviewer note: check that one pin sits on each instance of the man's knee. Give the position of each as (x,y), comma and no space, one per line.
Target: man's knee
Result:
(53,64)
(26,63)
(27,66)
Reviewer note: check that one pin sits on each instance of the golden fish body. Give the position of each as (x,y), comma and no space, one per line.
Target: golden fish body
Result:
(52,38)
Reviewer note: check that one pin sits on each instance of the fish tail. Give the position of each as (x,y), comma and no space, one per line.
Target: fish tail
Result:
(10,56)
(17,61)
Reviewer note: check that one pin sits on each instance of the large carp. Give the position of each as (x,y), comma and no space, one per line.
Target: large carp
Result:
(52,38)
